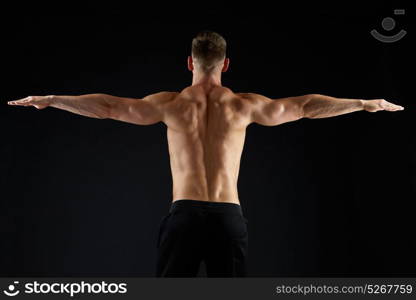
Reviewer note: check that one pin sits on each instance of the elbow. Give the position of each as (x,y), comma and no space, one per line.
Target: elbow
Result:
(106,112)
(109,112)
(103,117)
(305,110)
(108,108)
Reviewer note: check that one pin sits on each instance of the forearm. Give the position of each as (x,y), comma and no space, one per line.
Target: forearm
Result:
(320,106)
(89,105)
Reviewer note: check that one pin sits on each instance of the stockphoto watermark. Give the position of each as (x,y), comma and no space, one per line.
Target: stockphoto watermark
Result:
(68,288)
(388,25)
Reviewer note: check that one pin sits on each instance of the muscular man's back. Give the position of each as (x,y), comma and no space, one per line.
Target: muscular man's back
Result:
(206,131)
(206,125)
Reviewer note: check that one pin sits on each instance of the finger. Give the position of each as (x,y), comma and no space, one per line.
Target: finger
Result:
(397,107)
(21,102)
(394,107)
(26,99)
(18,102)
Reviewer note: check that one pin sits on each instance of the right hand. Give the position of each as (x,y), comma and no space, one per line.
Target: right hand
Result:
(380,104)
(40,102)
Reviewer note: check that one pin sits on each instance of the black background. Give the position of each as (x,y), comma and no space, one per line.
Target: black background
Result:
(327,197)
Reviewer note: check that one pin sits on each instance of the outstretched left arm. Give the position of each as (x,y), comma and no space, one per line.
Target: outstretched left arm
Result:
(320,106)
(269,112)
(146,111)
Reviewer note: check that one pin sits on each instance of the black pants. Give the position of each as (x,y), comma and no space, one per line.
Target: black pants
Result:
(194,231)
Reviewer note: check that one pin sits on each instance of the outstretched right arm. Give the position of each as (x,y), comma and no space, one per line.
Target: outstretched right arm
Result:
(89,105)
(268,112)
(146,111)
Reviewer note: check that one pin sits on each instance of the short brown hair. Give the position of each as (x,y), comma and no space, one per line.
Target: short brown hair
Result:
(208,48)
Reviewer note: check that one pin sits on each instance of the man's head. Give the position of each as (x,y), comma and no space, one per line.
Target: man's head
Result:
(208,53)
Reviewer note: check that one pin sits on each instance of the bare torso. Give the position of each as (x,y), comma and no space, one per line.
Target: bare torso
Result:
(206,133)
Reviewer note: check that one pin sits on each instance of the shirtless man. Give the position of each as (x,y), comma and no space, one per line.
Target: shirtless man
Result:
(206,125)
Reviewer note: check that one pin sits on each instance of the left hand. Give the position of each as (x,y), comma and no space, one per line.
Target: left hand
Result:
(40,102)
(380,104)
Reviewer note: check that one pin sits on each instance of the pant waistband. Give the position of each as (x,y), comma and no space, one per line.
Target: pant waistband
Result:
(206,205)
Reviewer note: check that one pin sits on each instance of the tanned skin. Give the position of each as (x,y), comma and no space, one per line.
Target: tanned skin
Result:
(206,124)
